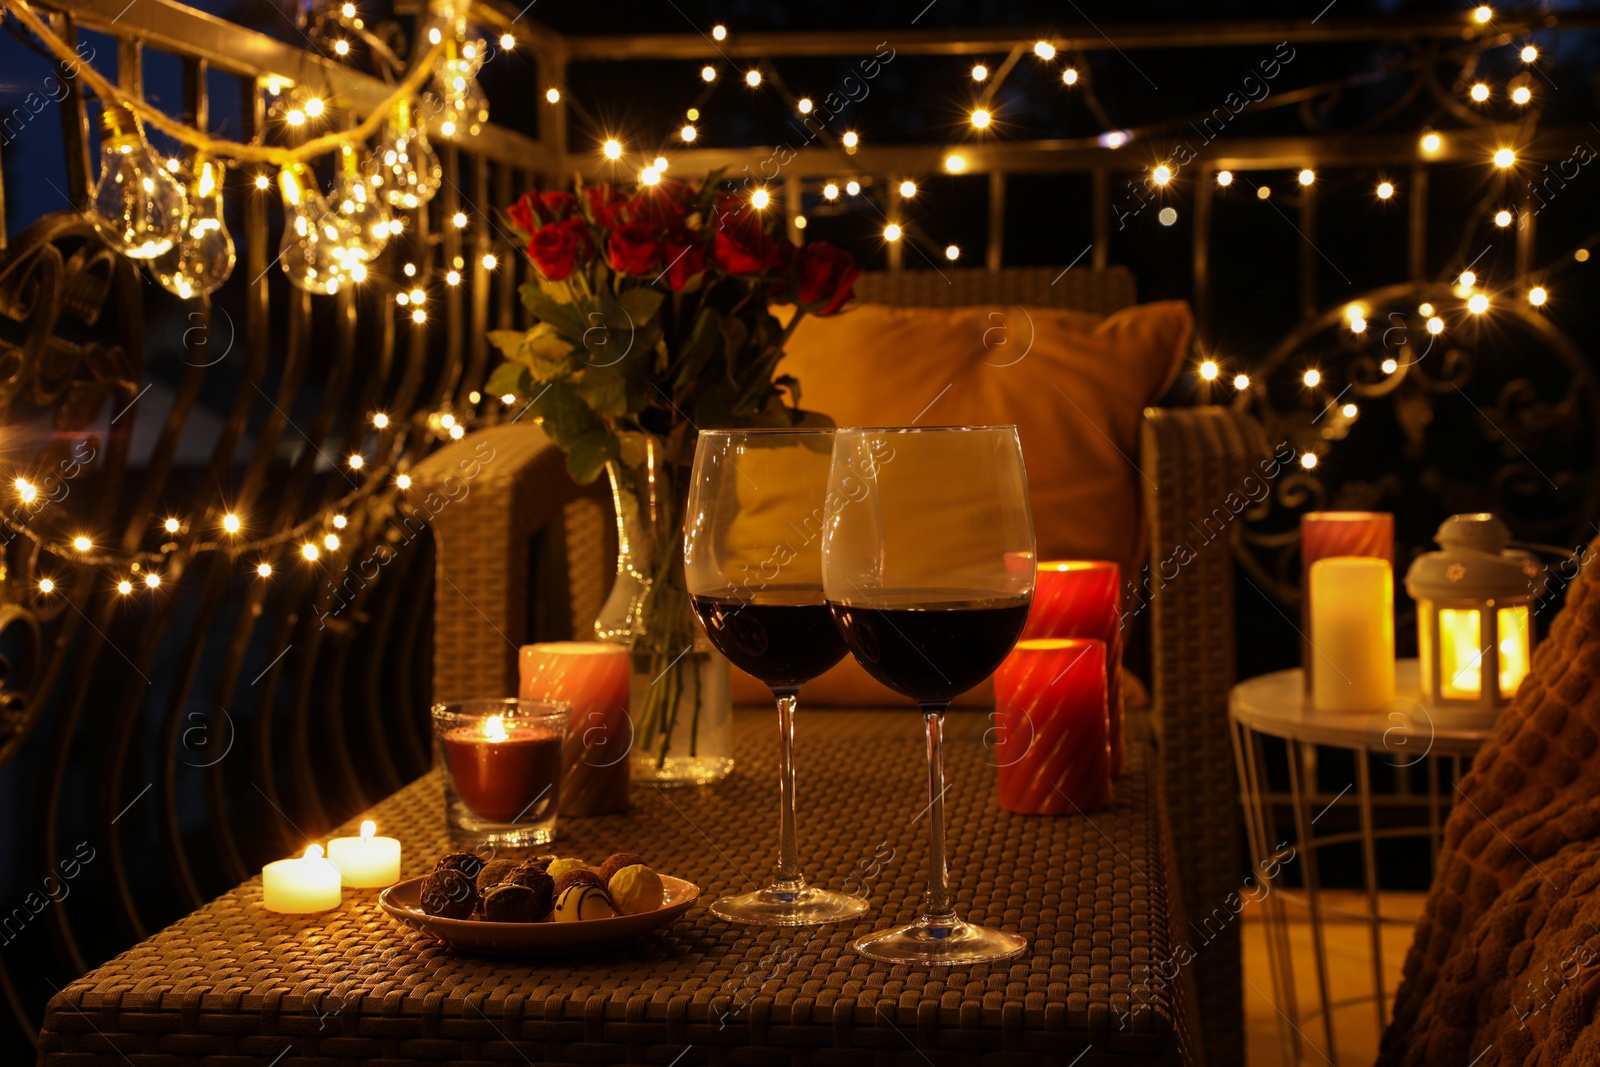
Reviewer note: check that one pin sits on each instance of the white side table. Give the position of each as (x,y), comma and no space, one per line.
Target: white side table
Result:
(1401,735)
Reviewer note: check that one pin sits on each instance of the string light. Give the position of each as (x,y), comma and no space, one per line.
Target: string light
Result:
(1352,312)
(1308,460)
(460,220)
(1312,378)
(708,73)
(508,42)
(231,523)
(553,95)
(489,261)
(979,72)
(650,176)
(380,420)
(760,199)
(453,278)
(1478,304)
(1070,75)
(1483,13)
(980,118)
(719,32)
(1467,279)
(1504,158)
(804,105)
(340,522)
(295,117)
(955,163)
(357,461)
(46,585)
(403,299)
(1435,325)
(1263,191)
(152,580)
(1385,190)
(447,420)
(419,316)
(1480,92)
(348,11)
(25,490)
(1431,143)
(1358,325)
(693,114)
(891,232)
(952,252)
(418,296)
(1209,370)
(852,188)
(830,191)
(332,541)
(402,481)
(508,399)
(1241,382)
(457,432)
(1044,50)
(660,163)
(1224,178)
(752,78)
(1162,174)
(687,133)
(850,139)
(612,148)
(410,270)
(1529,53)
(1521,94)
(263,182)
(799,222)
(82,544)
(315,106)
(172,526)
(309,551)
(124,587)
(908,189)
(1502,217)
(1537,296)
(1349,411)
(1307,176)
(1390,366)
(264,570)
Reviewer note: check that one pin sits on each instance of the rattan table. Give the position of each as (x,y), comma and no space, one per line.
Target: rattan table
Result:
(232,984)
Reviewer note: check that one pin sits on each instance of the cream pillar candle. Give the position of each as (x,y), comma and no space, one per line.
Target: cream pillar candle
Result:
(1352,633)
(368,861)
(297,886)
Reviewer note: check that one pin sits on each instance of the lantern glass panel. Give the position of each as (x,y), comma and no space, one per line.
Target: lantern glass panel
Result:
(1460,654)
(1516,643)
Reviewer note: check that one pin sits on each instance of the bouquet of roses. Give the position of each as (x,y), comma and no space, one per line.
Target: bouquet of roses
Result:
(653,315)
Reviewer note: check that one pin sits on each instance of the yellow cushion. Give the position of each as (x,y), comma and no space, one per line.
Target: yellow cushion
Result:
(1074,384)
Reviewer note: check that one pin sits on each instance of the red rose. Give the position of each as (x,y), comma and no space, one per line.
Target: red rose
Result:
(686,260)
(663,204)
(557,247)
(535,209)
(557,207)
(632,250)
(605,204)
(740,245)
(827,278)
(522,213)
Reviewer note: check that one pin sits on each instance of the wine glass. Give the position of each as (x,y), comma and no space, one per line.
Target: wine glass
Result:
(752,552)
(928,568)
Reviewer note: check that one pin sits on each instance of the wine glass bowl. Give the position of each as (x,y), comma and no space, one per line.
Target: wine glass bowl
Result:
(928,568)
(753,559)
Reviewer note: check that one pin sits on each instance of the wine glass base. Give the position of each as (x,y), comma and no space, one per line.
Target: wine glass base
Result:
(941,943)
(801,907)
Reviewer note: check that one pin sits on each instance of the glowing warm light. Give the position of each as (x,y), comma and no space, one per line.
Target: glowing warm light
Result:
(1424,309)
(1483,13)
(310,551)
(315,106)
(1241,382)
(348,11)
(760,199)
(1529,53)
(1044,50)
(262,182)
(295,117)
(752,78)
(341,47)
(452,277)
(474,396)
(799,222)
(1436,325)
(1209,370)
(508,42)
(660,163)
(340,522)
(1390,366)
(332,541)
(1312,378)
(1161,175)
(908,189)
(447,420)
(1308,176)
(1502,217)
(264,570)
(46,585)
(489,261)
(952,252)
(1114,139)
(26,490)
(1385,190)
(419,316)
(152,580)
(553,95)
(231,523)
(1354,311)
(82,544)
(1308,460)
(980,118)
(804,105)
(891,232)
(612,148)
(457,432)
(1504,157)
(979,72)
(650,176)
(172,526)
(403,299)
(852,188)
(410,270)
(508,399)
(1537,296)
(1431,143)
(124,587)
(403,481)
(1224,178)
(1581,255)
(357,271)
(357,461)
(1070,75)
(830,191)
(1478,304)
(460,220)
(1349,411)
(494,728)
(419,296)
(719,32)
(1263,191)
(1480,92)
(693,114)
(1358,325)
(850,139)
(1521,94)
(687,133)
(1467,278)
(955,163)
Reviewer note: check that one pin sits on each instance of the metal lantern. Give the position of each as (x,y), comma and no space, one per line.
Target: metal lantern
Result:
(1474,615)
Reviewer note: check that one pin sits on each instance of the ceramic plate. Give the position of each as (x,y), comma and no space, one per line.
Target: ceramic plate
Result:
(525,939)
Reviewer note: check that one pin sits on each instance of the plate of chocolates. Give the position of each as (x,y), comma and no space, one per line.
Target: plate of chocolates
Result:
(508,907)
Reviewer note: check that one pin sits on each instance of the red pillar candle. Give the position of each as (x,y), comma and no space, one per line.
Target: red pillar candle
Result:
(1054,751)
(592,676)
(1080,598)
(1337,533)
(501,767)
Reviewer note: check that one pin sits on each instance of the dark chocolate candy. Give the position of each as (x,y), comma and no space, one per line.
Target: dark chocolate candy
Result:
(494,872)
(572,878)
(530,877)
(617,861)
(465,862)
(510,903)
(449,894)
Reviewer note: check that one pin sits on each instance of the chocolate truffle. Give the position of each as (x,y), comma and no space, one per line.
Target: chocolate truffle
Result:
(449,894)
(541,862)
(617,861)
(543,886)
(465,862)
(508,903)
(494,872)
(635,889)
(581,902)
(566,863)
(584,877)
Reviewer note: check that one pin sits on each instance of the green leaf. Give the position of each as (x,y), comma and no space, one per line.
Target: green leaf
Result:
(604,389)
(699,348)
(576,429)
(563,316)
(640,303)
(510,378)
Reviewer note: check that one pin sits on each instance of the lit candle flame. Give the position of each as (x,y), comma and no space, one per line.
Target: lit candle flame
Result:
(369,829)
(494,728)
(313,852)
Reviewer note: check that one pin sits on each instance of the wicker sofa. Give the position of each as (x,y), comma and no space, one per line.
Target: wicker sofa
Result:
(527,555)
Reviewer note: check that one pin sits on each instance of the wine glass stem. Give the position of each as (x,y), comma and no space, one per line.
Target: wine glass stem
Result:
(937,903)
(788,875)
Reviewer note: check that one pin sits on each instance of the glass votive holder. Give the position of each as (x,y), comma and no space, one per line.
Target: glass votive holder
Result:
(501,761)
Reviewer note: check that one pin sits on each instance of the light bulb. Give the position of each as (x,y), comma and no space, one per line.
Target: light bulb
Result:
(1504,157)
(1161,175)
(891,232)
(979,72)
(407,165)
(264,570)
(908,189)
(203,257)
(553,95)
(805,105)
(752,78)
(1312,378)
(955,163)
(1529,53)
(455,80)
(1070,76)
(1385,190)
(853,188)
(708,74)
(1044,50)
(315,238)
(1502,218)
(850,139)
(370,219)
(830,191)
(138,204)
(1209,370)
(1521,94)
(1241,382)
(760,199)
(952,253)
(687,133)
(1431,143)
(1480,92)
(1537,296)
(980,118)
(1224,178)
(1390,366)
(612,149)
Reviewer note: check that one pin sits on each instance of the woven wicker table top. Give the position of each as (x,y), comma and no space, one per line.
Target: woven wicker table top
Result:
(234,984)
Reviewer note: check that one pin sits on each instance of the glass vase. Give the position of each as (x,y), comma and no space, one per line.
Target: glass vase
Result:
(679,696)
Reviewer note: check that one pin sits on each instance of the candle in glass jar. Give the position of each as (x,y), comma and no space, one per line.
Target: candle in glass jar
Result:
(1352,634)
(1081,598)
(1052,716)
(592,676)
(368,861)
(299,886)
(501,767)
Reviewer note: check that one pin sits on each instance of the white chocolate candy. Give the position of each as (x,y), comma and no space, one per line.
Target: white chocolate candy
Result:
(561,866)
(636,889)
(579,903)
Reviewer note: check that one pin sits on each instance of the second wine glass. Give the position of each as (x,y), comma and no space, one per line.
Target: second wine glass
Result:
(752,553)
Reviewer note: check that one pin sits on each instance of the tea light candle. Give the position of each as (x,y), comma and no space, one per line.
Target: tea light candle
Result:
(298,886)
(368,861)
(1352,634)
(503,767)
(1054,748)
(1081,598)
(594,677)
